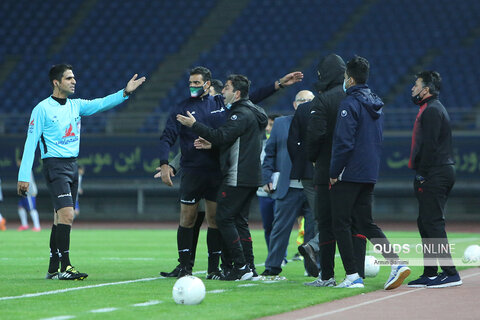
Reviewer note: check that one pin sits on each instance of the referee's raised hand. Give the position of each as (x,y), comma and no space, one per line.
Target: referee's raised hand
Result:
(133,84)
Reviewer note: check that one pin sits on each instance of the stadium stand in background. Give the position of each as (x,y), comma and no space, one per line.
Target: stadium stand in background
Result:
(107,41)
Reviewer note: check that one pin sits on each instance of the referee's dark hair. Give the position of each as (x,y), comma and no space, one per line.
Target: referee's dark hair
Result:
(206,74)
(217,85)
(358,68)
(56,72)
(432,80)
(240,83)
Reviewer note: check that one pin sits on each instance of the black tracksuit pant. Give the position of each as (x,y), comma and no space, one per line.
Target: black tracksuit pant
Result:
(233,207)
(432,196)
(327,243)
(351,205)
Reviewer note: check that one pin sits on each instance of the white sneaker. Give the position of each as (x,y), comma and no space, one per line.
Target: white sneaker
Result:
(397,276)
(322,283)
(357,283)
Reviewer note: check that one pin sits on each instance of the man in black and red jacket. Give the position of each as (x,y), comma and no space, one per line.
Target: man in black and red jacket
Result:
(431,157)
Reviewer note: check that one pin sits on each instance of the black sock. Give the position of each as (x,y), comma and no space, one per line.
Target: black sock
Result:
(63,244)
(214,244)
(54,260)
(196,233)
(184,243)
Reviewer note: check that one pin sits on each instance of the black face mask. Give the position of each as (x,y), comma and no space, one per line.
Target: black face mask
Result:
(417,99)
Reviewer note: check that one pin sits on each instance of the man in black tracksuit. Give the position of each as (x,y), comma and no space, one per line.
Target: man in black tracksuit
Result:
(354,166)
(432,158)
(239,141)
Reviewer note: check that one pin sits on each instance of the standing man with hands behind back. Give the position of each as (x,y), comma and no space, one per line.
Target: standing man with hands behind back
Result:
(56,122)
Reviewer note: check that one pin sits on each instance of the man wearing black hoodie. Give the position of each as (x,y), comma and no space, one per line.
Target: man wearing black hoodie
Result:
(354,166)
(239,141)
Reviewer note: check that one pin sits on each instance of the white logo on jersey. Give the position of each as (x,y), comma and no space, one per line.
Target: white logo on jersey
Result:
(234,117)
(219,110)
(343,113)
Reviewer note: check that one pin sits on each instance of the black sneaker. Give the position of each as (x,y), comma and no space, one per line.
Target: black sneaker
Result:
(421,282)
(239,274)
(173,274)
(309,258)
(216,275)
(52,276)
(268,273)
(255,275)
(71,274)
(443,281)
(184,271)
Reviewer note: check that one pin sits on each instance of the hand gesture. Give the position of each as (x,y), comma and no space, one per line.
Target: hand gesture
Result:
(165,172)
(188,121)
(291,78)
(133,84)
(201,143)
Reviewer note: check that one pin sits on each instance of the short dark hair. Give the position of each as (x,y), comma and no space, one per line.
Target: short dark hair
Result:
(204,72)
(358,68)
(273,116)
(217,85)
(432,80)
(56,72)
(240,83)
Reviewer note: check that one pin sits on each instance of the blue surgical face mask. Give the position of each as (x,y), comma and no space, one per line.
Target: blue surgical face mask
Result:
(229,105)
(344,87)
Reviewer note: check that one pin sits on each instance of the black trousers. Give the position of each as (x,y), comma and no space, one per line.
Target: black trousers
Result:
(432,196)
(351,205)
(233,208)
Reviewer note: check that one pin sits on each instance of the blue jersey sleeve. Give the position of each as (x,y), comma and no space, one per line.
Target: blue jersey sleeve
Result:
(35,130)
(89,107)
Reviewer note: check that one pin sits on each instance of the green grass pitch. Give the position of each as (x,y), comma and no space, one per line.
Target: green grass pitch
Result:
(114,257)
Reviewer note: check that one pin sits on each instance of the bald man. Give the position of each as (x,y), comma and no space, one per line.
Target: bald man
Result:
(302,170)
(290,201)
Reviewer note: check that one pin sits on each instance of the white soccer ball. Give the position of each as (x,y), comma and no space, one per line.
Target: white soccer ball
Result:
(371,268)
(188,290)
(472,254)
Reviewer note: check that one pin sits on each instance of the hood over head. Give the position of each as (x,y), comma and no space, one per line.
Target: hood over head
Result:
(331,69)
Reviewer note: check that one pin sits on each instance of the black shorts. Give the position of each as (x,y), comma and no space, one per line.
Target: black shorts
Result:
(197,185)
(61,176)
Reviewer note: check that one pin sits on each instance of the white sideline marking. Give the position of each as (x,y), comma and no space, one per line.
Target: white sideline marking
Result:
(146,304)
(372,301)
(216,291)
(248,285)
(38,294)
(59,318)
(103,310)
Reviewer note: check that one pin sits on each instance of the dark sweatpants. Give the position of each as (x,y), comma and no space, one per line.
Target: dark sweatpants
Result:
(432,196)
(233,207)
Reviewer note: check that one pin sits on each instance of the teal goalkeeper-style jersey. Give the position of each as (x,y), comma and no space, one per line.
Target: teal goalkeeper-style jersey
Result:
(58,128)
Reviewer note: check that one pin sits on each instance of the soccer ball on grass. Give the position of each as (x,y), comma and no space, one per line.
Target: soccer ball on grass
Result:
(188,290)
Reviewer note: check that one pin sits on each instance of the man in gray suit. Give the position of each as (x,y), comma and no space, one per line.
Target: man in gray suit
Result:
(290,200)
